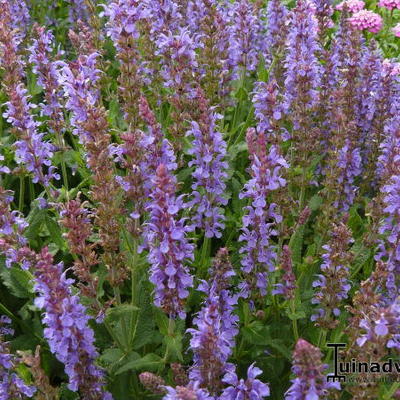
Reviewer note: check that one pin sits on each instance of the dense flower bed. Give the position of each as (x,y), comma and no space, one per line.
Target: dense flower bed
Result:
(196,196)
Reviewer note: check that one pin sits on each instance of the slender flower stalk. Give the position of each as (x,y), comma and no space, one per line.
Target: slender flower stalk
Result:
(288,285)
(246,389)
(169,247)
(77,219)
(123,27)
(244,42)
(180,74)
(215,329)
(208,152)
(67,331)
(11,385)
(333,282)
(259,222)
(88,118)
(31,150)
(310,381)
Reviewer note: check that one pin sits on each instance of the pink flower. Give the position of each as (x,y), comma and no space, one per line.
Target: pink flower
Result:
(389,4)
(396,30)
(352,5)
(368,20)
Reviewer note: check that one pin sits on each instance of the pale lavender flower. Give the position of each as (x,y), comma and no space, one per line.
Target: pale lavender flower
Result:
(349,164)
(310,382)
(169,247)
(208,151)
(67,331)
(12,387)
(250,388)
(20,16)
(78,80)
(78,11)
(259,222)
(386,324)
(190,392)
(278,23)
(31,150)
(46,71)
(351,5)
(303,71)
(244,44)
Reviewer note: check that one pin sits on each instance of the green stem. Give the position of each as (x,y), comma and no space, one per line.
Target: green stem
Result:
(392,391)
(294,320)
(205,252)
(21,193)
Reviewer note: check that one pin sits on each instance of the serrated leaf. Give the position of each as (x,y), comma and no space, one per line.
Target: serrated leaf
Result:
(36,219)
(18,281)
(149,362)
(115,314)
(315,202)
(55,231)
(174,346)
(296,244)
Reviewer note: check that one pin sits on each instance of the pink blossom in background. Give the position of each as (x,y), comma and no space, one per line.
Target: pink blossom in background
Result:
(396,30)
(352,5)
(368,20)
(389,4)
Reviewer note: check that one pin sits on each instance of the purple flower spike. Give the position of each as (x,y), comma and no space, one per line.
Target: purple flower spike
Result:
(169,247)
(251,388)
(261,218)
(213,339)
(208,151)
(31,150)
(190,392)
(67,331)
(11,385)
(310,382)
(302,67)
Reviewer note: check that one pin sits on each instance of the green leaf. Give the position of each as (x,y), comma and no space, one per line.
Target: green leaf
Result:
(296,244)
(18,281)
(149,362)
(115,314)
(55,231)
(174,346)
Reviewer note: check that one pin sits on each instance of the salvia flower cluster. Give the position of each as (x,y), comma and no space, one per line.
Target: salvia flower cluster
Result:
(196,196)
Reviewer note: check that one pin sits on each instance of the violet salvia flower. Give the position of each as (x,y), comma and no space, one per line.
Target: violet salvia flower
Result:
(13,243)
(154,145)
(260,218)
(78,81)
(351,5)
(216,326)
(396,30)
(169,247)
(287,286)
(278,23)
(302,67)
(324,12)
(31,150)
(180,73)
(244,42)
(67,331)
(349,165)
(250,388)
(268,109)
(333,282)
(12,387)
(165,16)
(78,11)
(208,152)
(20,16)
(124,17)
(366,20)
(190,392)
(389,4)
(211,345)
(46,71)
(310,381)
(386,325)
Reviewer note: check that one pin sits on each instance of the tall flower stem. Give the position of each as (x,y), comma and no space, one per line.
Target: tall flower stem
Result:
(21,193)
